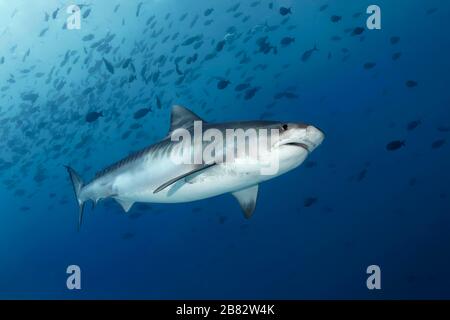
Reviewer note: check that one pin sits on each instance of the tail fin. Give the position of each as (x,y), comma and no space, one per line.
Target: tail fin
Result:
(77,184)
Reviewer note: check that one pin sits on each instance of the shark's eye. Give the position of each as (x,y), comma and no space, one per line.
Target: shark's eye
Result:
(284,127)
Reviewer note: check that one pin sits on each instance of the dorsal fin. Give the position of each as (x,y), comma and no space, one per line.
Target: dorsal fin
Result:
(182,117)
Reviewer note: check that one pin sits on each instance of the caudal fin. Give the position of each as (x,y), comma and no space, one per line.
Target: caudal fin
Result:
(77,184)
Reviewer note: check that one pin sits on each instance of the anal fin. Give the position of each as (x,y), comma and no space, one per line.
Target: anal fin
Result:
(126,205)
(247,199)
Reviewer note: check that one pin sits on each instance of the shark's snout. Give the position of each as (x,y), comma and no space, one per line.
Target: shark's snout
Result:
(313,137)
(307,137)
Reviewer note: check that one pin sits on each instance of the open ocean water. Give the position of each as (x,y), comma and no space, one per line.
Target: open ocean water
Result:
(376,192)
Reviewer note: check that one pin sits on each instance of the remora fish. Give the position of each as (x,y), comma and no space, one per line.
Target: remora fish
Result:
(152,175)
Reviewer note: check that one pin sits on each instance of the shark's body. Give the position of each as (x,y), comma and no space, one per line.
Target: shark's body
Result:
(152,175)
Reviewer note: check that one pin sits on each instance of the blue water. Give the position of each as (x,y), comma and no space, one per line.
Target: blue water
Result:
(372,206)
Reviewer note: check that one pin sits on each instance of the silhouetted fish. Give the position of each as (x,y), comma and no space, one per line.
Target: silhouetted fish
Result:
(395,40)
(357,31)
(242,86)
(285,11)
(93,116)
(443,128)
(220,45)
(307,54)
(43,32)
(369,65)
(158,102)
(396,55)
(109,66)
(208,12)
(141,113)
(222,84)
(127,236)
(323,7)
(250,93)
(335,18)
(438,143)
(308,202)
(411,83)
(395,145)
(86,13)
(286,41)
(413,124)
(88,37)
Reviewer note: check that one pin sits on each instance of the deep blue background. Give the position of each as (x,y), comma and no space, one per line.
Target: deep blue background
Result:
(207,249)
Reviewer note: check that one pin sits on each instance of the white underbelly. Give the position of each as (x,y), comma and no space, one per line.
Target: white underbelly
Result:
(217,180)
(213,182)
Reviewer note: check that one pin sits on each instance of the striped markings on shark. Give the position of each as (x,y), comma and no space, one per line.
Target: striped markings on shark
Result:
(153,175)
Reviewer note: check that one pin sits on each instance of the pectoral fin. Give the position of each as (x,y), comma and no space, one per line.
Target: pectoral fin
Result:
(187,174)
(247,199)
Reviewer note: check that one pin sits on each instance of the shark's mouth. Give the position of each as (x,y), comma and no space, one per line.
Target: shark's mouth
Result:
(298,144)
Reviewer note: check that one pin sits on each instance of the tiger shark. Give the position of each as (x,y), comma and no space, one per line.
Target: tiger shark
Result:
(157,174)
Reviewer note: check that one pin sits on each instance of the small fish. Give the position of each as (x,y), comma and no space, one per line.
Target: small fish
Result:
(55,14)
(323,7)
(310,164)
(250,93)
(335,18)
(437,143)
(307,54)
(443,128)
(177,69)
(86,13)
(138,9)
(191,40)
(222,84)
(127,236)
(29,96)
(220,45)
(88,37)
(411,83)
(396,55)
(242,86)
(394,40)
(222,219)
(285,11)
(308,202)
(93,116)
(357,31)
(412,125)
(208,12)
(369,65)
(286,41)
(141,113)
(395,145)
(109,66)
(43,32)
(158,102)
(361,175)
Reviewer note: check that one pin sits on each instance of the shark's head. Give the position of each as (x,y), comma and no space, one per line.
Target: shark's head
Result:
(299,135)
(292,145)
